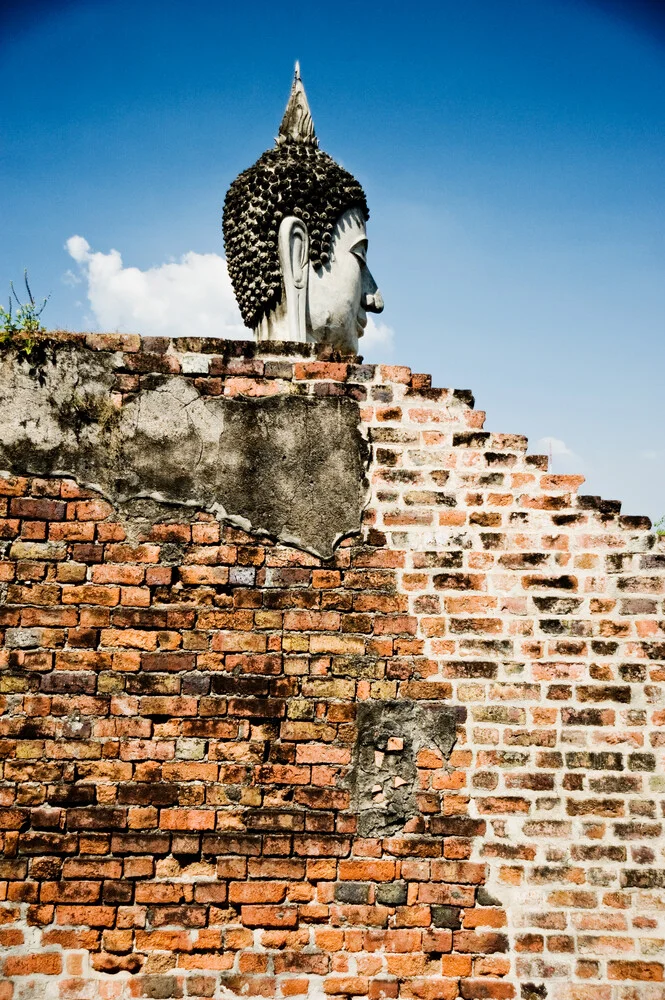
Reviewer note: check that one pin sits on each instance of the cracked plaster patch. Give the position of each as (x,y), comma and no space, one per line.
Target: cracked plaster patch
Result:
(384,776)
(291,467)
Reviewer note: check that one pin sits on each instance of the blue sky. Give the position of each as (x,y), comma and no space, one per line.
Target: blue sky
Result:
(512,153)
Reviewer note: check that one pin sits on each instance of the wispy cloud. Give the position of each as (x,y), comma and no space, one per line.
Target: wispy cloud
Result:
(554,445)
(191,297)
(564,459)
(71,279)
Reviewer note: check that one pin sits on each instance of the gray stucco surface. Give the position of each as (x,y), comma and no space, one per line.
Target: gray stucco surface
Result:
(383,778)
(290,466)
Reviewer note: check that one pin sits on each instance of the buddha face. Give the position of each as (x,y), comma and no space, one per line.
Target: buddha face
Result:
(343,291)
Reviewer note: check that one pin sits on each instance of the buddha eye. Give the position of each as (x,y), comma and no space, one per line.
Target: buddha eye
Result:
(360,251)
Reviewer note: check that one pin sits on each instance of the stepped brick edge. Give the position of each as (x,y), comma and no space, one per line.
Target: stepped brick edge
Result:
(425,763)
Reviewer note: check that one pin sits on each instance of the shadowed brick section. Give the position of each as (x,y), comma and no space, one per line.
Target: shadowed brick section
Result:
(429,766)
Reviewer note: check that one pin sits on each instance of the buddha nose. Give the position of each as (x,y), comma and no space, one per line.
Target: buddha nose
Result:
(374,303)
(372,298)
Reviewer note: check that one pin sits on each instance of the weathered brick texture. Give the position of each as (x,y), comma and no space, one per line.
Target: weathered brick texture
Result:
(185,774)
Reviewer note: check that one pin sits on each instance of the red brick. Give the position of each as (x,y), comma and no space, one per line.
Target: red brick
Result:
(371,871)
(187,819)
(48,963)
(257,892)
(269,916)
(38,510)
(651,972)
(90,593)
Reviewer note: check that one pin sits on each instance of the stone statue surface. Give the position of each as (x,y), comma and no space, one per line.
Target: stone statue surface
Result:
(296,240)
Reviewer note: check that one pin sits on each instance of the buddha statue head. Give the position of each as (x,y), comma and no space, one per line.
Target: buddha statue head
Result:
(296,243)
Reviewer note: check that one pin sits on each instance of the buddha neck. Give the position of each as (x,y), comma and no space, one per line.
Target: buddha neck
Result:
(276,325)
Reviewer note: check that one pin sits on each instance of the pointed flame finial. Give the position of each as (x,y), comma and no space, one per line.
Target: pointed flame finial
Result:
(297,124)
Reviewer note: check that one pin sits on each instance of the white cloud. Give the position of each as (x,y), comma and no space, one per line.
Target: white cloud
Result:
(77,248)
(377,341)
(191,297)
(567,459)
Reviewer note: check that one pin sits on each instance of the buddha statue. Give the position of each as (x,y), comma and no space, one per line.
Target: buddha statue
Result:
(296,242)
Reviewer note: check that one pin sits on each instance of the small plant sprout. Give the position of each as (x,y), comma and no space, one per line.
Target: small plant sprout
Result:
(26,320)
(659,526)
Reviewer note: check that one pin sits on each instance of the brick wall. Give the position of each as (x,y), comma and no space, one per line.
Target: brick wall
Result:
(429,767)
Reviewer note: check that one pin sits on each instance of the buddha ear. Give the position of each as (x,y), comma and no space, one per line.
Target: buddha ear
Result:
(293,246)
